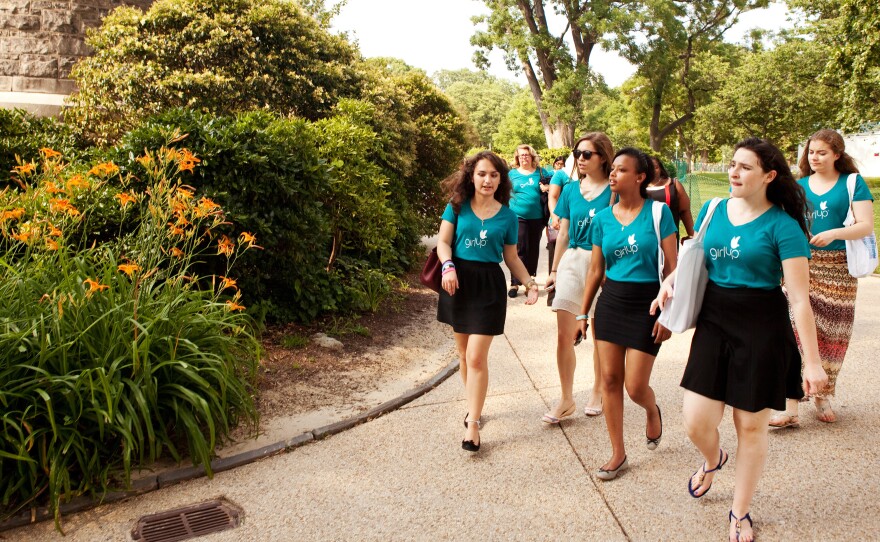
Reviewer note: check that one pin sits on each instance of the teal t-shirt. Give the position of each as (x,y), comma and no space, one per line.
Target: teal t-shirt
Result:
(829,209)
(751,255)
(525,199)
(580,213)
(630,251)
(481,240)
(560,178)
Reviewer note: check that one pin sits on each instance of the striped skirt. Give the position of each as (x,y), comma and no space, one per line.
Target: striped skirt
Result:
(833,300)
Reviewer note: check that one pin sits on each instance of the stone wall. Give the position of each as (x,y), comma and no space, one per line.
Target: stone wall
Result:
(40,40)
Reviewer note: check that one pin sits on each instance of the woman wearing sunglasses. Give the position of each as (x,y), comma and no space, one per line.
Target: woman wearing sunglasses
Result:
(625,255)
(525,201)
(578,204)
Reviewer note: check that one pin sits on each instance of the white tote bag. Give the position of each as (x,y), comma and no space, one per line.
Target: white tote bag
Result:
(691,277)
(861,254)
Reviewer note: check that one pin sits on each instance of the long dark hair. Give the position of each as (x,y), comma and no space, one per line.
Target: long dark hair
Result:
(844,164)
(604,149)
(784,190)
(459,186)
(663,173)
(643,165)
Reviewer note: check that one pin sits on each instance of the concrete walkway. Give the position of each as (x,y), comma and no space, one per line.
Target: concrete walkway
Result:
(404,476)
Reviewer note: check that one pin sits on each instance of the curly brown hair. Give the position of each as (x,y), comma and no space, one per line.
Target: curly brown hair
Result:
(845,164)
(459,186)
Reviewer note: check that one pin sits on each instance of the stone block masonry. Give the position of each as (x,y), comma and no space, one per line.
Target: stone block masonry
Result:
(40,41)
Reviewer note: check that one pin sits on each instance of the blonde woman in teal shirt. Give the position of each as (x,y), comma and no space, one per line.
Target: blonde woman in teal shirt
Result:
(525,201)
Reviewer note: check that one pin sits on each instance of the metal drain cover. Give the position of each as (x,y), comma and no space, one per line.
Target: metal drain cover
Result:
(187,522)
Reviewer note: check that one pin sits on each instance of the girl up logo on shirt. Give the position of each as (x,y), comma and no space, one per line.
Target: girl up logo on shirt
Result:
(530,183)
(632,248)
(474,243)
(587,220)
(731,252)
(821,212)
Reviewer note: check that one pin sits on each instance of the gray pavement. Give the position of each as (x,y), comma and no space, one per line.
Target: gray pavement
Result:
(404,476)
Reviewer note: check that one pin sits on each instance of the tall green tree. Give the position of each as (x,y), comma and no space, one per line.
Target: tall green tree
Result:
(665,44)
(850,29)
(520,126)
(520,29)
(482,98)
(773,94)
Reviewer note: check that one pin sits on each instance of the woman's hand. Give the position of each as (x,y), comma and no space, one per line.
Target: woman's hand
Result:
(449,282)
(823,239)
(532,289)
(815,379)
(554,221)
(581,329)
(551,281)
(660,333)
(664,295)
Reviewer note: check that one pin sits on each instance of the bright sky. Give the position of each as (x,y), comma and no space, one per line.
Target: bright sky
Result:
(434,35)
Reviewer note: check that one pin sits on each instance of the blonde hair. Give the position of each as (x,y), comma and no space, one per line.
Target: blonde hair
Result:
(536,160)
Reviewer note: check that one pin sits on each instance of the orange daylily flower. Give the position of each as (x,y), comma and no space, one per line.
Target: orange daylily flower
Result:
(52,244)
(183,193)
(52,188)
(105,169)
(94,286)
(176,252)
(250,239)
(14,214)
(23,236)
(227,283)
(128,268)
(50,153)
(25,169)
(77,181)
(145,160)
(225,246)
(62,205)
(125,198)
(186,160)
(233,306)
(176,230)
(54,232)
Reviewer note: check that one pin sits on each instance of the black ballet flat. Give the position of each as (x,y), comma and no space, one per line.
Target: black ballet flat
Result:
(470,445)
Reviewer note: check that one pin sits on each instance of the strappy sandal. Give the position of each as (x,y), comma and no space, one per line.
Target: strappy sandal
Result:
(722,460)
(553,420)
(783,420)
(731,517)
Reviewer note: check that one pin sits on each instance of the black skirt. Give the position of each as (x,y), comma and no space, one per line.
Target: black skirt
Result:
(479,306)
(744,351)
(622,315)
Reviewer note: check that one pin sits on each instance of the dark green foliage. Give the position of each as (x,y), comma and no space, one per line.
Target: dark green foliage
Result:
(23,135)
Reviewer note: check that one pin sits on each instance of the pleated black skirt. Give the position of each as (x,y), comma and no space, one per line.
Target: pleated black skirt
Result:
(479,307)
(622,315)
(744,351)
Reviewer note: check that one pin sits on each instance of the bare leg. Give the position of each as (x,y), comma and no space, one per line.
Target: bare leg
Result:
(702,416)
(637,379)
(477,381)
(751,455)
(566,361)
(787,417)
(461,341)
(594,403)
(613,361)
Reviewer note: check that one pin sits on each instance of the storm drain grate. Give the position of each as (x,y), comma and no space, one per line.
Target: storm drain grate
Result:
(187,522)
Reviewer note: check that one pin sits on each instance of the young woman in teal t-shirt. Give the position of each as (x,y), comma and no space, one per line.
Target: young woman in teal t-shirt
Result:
(576,207)
(824,167)
(743,352)
(477,232)
(625,256)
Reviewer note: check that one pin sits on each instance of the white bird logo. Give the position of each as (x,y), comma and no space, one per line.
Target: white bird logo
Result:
(483,234)
(734,242)
(824,205)
(592,213)
(632,239)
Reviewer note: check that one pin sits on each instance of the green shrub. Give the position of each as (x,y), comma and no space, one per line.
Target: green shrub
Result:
(116,353)
(219,56)
(23,135)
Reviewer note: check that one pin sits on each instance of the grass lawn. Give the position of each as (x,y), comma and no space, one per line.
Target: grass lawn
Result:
(702,187)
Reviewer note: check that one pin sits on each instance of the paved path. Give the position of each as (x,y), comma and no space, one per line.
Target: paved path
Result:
(404,476)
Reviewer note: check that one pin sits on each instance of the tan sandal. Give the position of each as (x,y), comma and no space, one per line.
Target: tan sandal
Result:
(783,420)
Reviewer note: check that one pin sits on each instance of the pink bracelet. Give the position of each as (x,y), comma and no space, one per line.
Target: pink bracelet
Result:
(447,270)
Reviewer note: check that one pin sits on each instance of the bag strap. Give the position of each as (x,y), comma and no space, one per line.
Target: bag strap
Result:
(668,195)
(657,212)
(701,233)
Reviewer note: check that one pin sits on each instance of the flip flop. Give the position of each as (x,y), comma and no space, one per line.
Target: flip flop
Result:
(781,421)
(553,420)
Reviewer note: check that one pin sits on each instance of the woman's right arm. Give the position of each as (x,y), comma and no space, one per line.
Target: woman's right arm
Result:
(561,246)
(594,278)
(684,209)
(552,200)
(449,282)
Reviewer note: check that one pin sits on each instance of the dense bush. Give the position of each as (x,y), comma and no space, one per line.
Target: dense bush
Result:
(114,353)
(219,56)
(23,135)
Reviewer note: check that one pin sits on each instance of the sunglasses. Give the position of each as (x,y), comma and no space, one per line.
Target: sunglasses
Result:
(586,154)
